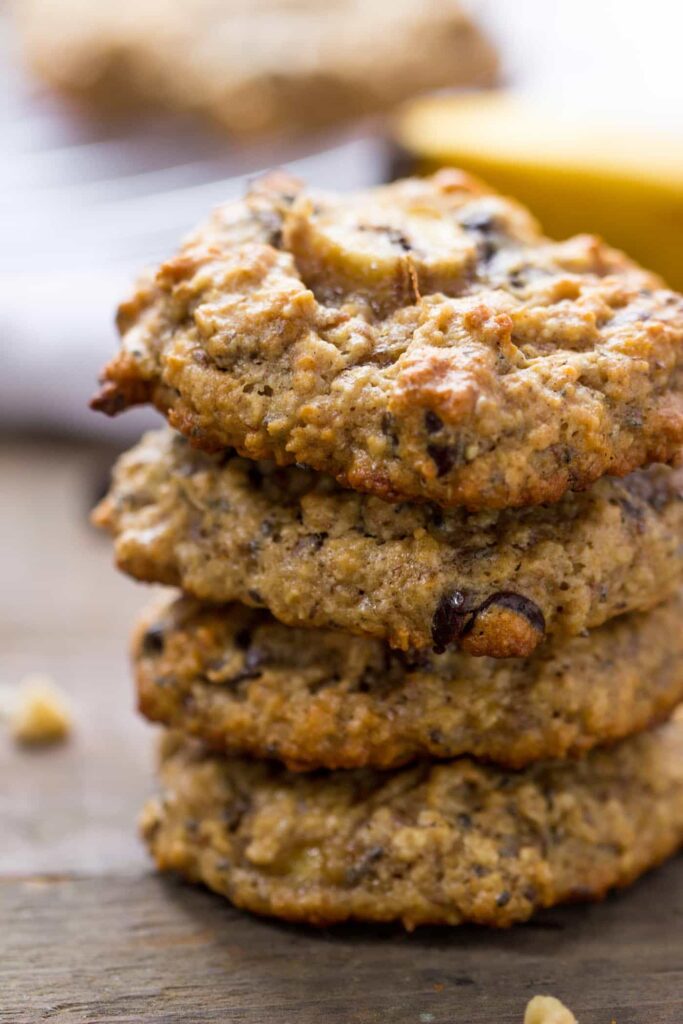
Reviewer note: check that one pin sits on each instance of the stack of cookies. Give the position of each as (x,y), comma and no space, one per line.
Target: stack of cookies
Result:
(418,495)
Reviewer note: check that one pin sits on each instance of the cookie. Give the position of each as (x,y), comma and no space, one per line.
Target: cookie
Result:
(419,341)
(496,583)
(431,843)
(276,66)
(244,684)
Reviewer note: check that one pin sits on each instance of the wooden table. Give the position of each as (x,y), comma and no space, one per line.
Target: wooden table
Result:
(88,934)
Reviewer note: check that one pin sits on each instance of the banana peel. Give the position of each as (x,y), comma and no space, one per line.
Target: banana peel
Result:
(624,184)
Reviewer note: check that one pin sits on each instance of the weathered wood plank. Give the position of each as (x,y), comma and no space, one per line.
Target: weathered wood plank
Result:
(126,950)
(65,611)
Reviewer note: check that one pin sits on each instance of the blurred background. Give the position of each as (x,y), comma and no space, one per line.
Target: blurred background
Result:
(122,124)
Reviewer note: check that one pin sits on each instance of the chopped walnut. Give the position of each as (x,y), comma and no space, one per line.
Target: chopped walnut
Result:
(41,714)
(548,1010)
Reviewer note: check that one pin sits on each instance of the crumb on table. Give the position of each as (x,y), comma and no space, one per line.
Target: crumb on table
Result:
(41,714)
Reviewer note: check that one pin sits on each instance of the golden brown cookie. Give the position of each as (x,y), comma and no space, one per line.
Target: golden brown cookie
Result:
(441,844)
(495,583)
(273,66)
(419,341)
(245,684)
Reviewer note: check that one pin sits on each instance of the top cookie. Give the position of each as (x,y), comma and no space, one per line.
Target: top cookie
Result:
(422,340)
(271,66)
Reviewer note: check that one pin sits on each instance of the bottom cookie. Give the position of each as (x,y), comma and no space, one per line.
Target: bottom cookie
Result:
(432,843)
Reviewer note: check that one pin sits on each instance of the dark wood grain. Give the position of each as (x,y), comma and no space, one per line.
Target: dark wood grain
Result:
(88,935)
(136,949)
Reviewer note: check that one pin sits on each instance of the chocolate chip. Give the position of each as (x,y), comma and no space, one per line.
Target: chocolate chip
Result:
(388,424)
(479,220)
(395,236)
(503,898)
(254,596)
(153,641)
(444,457)
(464,821)
(243,639)
(487,227)
(449,620)
(436,516)
(487,249)
(456,615)
(517,279)
(432,422)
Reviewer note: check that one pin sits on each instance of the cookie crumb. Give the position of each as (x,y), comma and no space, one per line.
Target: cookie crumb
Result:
(41,714)
(548,1010)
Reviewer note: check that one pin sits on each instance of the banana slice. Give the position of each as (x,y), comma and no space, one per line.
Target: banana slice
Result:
(403,242)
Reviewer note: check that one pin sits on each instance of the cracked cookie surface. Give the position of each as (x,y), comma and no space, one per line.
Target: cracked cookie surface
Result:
(431,843)
(224,528)
(419,341)
(245,684)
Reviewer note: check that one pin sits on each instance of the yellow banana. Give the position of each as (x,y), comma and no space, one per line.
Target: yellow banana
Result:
(623,184)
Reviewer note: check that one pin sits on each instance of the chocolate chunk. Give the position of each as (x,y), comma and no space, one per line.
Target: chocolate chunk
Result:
(395,236)
(503,898)
(485,225)
(436,516)
(517,279)
(243,639)
(388,424)
(153,641)
(449,620)
(479,220)
(444,457)
(432,422)
(455,616)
